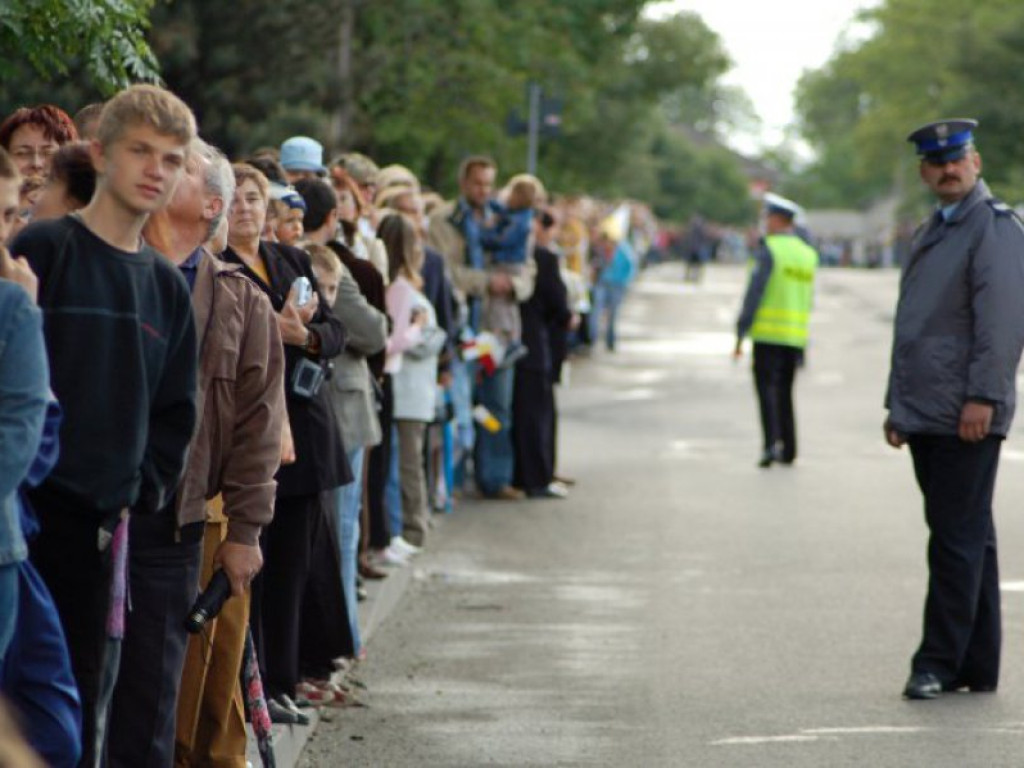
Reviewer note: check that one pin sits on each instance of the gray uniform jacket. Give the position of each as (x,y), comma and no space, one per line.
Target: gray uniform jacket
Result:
(351,390)
(960,319)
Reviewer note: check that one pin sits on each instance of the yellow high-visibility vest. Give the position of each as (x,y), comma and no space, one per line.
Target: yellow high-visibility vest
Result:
(785,309)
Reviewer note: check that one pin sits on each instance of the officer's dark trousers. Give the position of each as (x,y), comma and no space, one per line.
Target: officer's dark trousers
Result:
(163,581)
(962,629)
(774,370)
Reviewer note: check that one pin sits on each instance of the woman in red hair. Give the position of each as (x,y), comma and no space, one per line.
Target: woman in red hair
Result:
(33,134)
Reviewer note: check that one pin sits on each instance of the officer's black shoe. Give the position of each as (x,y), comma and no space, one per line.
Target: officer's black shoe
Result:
(960,684)
(767,457)
(922,685)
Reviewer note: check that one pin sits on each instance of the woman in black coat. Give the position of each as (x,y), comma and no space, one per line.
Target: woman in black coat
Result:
(545,318)
(292,542)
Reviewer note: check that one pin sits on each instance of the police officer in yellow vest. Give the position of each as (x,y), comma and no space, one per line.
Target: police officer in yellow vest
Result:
(775,314)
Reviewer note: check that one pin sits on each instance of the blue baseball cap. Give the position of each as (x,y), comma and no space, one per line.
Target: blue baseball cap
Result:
(944,140)
(301,153)
(287,195)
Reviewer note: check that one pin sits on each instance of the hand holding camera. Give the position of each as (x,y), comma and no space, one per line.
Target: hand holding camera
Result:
(304,298)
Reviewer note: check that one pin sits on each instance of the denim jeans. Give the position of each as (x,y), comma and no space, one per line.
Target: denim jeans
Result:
(494,456)
(393,488)
(463,374)
(8,606)
(37,678)
(607,298)
(349,501)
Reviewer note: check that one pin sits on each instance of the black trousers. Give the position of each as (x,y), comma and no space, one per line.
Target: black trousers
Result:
(962,633)
(533,428)
(378,459)
(78,574)
(324,629)
(278,590)
(163,581)
(774,370)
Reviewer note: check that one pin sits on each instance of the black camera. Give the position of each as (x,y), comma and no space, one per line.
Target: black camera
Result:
(209,602)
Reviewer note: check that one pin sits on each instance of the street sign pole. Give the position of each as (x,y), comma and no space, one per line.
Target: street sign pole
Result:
(534,129)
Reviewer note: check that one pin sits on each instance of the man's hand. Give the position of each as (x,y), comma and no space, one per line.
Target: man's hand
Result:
(975,422)
(293,330)
(893,437)
(500,284)
(240,562)
(18,271)
(737,351)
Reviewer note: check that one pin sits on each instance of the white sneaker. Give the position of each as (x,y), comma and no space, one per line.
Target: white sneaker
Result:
(403,547)
(390,556)
(558,490)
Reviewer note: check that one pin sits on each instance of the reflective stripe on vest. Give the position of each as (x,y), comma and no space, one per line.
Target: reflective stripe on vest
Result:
(785,309)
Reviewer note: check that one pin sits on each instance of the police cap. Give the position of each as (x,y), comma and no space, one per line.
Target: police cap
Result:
(779,205)
(944,140)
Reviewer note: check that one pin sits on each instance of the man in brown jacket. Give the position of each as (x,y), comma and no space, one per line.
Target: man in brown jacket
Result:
(234,453)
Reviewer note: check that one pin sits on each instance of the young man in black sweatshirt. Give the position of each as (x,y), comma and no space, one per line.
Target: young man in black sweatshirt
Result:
(122,349)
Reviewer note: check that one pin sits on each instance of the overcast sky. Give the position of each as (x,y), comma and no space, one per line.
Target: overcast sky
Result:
(771,44)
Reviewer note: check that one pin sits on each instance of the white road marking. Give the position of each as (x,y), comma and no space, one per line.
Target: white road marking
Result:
(737,740)
(805,735)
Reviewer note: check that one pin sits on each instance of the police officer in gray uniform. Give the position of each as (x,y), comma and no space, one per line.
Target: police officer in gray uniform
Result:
(957,341)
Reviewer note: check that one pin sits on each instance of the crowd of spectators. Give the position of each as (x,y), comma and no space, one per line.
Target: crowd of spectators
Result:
(271,374)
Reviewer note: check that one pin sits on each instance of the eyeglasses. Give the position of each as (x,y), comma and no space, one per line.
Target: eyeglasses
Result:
(29,153)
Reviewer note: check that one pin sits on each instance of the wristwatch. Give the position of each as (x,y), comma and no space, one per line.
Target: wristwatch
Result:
(312,345)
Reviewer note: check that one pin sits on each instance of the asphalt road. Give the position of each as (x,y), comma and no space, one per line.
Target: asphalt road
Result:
(684,608)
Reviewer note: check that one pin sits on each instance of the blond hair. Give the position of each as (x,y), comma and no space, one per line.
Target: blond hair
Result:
(539,193)
(323,258)
(245,172)
(145,104)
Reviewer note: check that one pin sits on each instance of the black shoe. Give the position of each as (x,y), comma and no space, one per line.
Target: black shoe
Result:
(767,457)
(301,718)
(922,685)
(281,714)
(959,685)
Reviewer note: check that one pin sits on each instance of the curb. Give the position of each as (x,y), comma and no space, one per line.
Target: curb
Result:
(381,600)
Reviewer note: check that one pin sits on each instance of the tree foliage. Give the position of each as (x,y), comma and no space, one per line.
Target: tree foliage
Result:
(425,82)
(102,39)
(925,60)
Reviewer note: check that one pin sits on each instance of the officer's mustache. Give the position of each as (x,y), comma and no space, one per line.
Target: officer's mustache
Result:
(948,177)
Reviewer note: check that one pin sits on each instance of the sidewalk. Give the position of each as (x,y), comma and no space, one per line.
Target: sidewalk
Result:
(382,598)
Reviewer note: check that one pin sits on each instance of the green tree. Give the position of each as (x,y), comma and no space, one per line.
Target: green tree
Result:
(102,39)
(924,60)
